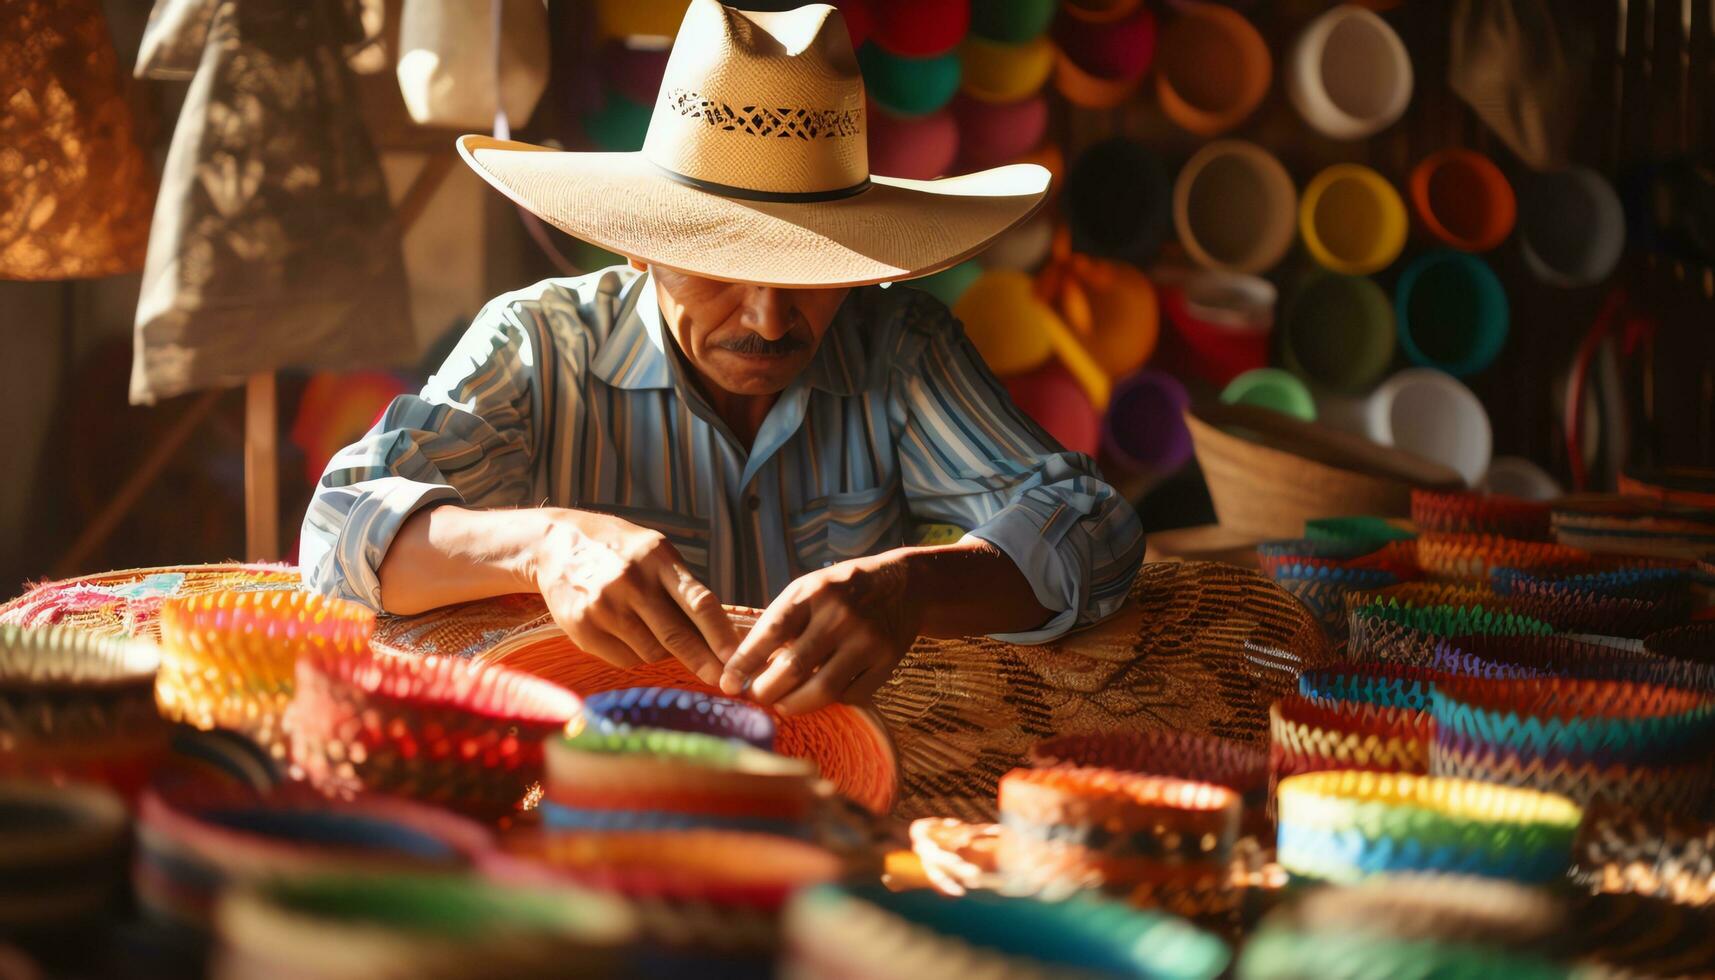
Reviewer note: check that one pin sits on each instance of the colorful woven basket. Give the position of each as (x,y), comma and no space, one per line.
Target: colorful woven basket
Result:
(1324,591)
(1384,685)
(1559,655)
(1345,826)
(1069,830)
(1449,926)
(1396,557)
(1622,853)
(1465,512)
(62,860)
(1313,737)
(1598,603)
(1470,557)
(1564,610)
(1372,531)
(193,846)
(865,932)
(128,603)
(1692,643)
(405,925)
(79,707)
(1634,746)
(1607,524)
(228,659)
(1240,766)
(1387,631)
(678,710)
(454,733)
(655,779)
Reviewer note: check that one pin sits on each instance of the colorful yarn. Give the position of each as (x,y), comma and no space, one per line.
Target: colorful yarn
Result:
(79,707)
(1467,512)
(193,846)
(679,710)
(452,732)
(865,932)
(399,925)
(228,659)
(1345,826)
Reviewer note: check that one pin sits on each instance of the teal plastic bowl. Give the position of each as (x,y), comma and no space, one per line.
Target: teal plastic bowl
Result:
(1451,312)
(908,86)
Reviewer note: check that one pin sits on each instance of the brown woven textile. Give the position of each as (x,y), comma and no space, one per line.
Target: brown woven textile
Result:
(75,186)
(273,242)
(965,712)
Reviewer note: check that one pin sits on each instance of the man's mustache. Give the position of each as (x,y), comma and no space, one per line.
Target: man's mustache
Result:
(756,345)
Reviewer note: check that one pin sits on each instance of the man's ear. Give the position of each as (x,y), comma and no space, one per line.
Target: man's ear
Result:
(638,264)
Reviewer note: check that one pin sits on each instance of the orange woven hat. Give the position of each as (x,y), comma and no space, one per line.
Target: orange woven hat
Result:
(755,168)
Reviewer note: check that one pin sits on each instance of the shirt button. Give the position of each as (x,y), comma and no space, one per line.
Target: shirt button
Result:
(753,502)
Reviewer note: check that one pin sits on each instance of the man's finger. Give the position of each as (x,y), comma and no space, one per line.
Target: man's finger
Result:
(802,656)
(703,608)
(780,623)
(672,633)
(827,685)
(635,632)
(605,646)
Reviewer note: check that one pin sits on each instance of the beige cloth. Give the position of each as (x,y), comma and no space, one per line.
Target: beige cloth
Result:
(273,242)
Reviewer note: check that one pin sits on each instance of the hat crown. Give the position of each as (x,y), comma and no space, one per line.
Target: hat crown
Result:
(765,105)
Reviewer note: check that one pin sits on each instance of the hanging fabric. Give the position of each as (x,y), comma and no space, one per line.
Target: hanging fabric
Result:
(447,61)
(75,185)
(274,243)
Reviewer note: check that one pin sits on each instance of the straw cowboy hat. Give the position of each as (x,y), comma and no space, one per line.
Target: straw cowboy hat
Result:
(756,168)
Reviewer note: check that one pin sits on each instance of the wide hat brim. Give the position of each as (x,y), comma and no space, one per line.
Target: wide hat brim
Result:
(896,229)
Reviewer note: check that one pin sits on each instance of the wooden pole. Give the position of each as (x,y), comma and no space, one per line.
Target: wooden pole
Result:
(261,469)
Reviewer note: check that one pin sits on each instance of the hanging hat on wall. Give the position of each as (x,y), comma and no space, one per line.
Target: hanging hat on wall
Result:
(75,186)
(1518,65)
(717,192)
(449,67)
(273,243)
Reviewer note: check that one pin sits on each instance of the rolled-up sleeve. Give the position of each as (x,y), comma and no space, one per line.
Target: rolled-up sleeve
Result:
(970,458)
(467,438)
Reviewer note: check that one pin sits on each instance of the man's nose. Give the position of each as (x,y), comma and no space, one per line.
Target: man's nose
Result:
(765,312)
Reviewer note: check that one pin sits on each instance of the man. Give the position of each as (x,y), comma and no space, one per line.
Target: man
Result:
(740,415)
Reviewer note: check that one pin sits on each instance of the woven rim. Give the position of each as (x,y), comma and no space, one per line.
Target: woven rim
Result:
(246,837)
(1562,716)
(1672,789)
(1694,642)
(1128,796)
(681,710)
(584,769)
(1471,556)
(105,604)
(1467,512)
(445,686)
(844,930)
(399,924)
(1374,531)
(1384,685)
(1309,737)
(50,826)
(722,867)
(1628,853)
(1343,825)
(1239,766)
(57,658)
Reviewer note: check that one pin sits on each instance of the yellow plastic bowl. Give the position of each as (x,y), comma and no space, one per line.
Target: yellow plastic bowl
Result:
(1352,220)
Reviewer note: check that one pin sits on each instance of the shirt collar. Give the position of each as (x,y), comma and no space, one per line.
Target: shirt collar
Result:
(635,354)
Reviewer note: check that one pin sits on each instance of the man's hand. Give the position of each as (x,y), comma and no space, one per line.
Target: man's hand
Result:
(622,592)
(832,635)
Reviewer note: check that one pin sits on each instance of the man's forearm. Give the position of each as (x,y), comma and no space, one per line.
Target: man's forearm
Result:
(449,554)
(969,588)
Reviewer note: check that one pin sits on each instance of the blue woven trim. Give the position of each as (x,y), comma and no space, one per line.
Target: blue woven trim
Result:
(1349,855)
(558,817)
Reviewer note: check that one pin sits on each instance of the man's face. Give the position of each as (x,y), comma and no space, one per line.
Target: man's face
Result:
(743,339)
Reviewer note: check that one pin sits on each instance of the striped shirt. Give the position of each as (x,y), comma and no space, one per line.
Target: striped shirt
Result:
(572,393)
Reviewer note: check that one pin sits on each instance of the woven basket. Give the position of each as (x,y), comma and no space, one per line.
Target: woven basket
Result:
(1621,852)
(1471,557)
(1282,472)
(1462,512)
(128,603)
(962,713)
